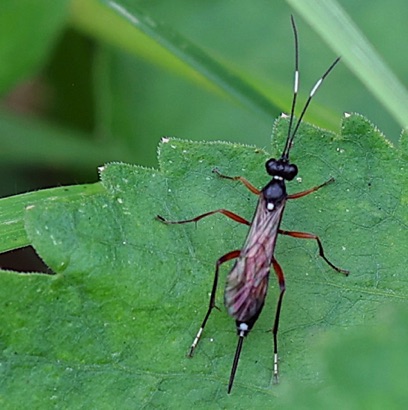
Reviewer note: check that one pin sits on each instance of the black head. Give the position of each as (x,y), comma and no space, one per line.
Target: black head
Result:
(281,168)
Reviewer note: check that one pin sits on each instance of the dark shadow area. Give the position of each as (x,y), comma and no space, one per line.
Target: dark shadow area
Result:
(24,260)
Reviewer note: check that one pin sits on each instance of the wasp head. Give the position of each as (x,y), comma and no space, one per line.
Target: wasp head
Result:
(281,168)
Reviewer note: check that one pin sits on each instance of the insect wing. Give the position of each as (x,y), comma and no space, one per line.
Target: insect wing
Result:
(247,283)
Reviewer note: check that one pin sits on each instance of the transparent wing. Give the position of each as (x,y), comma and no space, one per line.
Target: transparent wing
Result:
(247,283)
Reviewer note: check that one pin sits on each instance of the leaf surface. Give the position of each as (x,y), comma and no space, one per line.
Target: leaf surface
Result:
(116,321)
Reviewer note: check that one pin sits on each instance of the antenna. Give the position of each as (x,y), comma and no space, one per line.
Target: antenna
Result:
(295,89)
(291,135)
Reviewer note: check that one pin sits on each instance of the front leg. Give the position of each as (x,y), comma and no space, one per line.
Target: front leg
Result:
(309,191)
(244,181)
(225,212)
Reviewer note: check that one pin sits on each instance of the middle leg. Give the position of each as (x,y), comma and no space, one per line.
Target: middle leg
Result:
(235,217)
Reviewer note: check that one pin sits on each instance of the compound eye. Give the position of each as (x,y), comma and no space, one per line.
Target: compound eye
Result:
(274,167)
(290,172)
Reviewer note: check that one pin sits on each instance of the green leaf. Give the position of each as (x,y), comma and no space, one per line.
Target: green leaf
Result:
(139,32)
(114,325)
(364,367)
(12,211)
(216,75)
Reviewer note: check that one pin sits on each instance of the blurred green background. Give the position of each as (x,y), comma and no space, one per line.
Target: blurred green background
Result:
(80,86)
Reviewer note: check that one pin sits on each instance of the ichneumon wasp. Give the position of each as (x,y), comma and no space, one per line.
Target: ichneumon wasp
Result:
(247,282)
